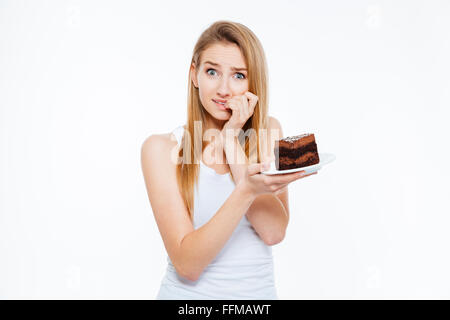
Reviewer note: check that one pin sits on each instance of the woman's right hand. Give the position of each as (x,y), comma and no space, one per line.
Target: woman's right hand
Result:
(259,184)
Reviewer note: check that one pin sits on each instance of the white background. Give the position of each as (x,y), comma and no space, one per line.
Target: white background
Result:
(83,83)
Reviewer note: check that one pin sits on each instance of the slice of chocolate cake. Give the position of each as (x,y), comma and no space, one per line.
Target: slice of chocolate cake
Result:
(296,152)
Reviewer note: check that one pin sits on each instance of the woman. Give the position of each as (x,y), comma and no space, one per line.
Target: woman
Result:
(217,214)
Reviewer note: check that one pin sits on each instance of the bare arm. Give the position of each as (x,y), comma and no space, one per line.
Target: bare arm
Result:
(190,250)
(269,218)
(268,214)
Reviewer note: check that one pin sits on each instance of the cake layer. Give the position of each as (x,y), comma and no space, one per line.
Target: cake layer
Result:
(295,153)
(307,159)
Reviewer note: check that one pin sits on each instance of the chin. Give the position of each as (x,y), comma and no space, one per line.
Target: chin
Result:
(221,118)
(220,115)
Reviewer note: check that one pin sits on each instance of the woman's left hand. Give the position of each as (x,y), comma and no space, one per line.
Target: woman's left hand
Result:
(242,108)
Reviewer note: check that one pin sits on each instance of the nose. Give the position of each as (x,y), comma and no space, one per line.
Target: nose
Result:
(224,89)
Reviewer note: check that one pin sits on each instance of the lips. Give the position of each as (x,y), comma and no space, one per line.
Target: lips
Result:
(221,104)
(220,101)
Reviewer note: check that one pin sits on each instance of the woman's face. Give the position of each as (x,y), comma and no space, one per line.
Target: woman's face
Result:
(221,75)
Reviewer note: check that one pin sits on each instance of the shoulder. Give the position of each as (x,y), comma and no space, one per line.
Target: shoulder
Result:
(158,147)
(159,142)
(274,127)
(158,164)
(274,133)
(273,123)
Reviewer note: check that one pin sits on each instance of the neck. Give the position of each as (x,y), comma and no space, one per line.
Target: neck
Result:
(211,146)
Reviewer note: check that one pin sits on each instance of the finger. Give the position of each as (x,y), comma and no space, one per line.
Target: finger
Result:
(231,103)
(253,99)
(304,175)
(235,110)
(288,177)
(240,113)
(310,174)
(245,107)
(251,96)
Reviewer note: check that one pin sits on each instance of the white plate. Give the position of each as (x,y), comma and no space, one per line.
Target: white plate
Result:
(325,158)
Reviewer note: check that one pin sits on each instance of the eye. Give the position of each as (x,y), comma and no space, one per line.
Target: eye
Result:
(207,71)
(243,76)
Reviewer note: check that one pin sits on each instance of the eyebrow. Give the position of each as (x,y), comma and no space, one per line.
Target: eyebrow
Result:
(233,68)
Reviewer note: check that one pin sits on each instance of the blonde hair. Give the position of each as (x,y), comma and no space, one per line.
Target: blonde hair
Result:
(253,53)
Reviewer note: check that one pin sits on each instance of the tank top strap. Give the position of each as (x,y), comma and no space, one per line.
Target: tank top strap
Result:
(178,133)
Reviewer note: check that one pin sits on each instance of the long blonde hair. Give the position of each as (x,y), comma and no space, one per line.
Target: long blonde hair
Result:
(252,50)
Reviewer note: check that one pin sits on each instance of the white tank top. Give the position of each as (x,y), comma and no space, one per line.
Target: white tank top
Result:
(243,269)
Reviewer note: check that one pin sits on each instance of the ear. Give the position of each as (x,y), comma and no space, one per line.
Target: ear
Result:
(194,75)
